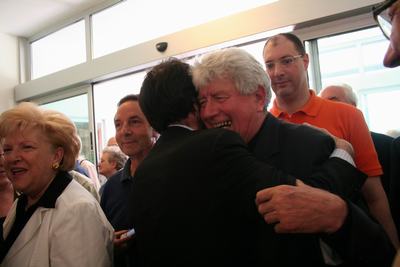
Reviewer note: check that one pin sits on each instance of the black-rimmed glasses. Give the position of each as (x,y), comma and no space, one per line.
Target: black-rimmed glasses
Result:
(381,16)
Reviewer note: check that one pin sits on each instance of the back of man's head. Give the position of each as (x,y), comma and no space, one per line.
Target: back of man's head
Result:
(112,141)
(340,92)
(167,94)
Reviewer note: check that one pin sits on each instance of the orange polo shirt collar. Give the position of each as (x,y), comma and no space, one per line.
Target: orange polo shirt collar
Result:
(311,108)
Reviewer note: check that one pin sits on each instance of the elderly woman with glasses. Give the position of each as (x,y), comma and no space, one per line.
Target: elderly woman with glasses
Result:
(54,221)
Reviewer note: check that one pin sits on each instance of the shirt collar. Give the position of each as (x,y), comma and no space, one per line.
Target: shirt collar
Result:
(126,171)
(311,108)
(55,189)
(180,125)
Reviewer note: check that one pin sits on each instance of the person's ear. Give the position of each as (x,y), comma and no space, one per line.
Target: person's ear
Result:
(260,98)
(58,155)
(154,135)
(306,61)
(114,164)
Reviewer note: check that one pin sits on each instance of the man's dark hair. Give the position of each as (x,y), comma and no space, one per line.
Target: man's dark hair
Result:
(298,44)
(127,98)
(167,94)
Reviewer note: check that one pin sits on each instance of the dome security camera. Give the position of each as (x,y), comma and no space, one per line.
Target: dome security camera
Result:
(162,46)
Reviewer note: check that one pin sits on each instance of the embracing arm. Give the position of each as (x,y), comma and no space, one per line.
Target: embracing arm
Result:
(331,162)
(337,176)
(358,239)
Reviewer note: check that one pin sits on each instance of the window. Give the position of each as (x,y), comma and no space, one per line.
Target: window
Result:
(355,58)
(256,50)
(59,50)
(134,22)
(76,108)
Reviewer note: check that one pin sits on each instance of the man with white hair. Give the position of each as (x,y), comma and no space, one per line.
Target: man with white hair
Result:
(344,93)
(340,92)
(234,91)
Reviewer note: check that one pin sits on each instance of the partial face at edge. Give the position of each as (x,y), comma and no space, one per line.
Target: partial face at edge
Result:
(3,175)
(392,56)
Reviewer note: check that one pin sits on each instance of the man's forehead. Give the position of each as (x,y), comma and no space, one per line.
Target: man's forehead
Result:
(130,108)
(128,114)
(217,85)
(277,41)
(285,46)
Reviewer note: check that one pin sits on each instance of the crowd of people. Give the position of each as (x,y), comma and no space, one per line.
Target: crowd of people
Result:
(201,173)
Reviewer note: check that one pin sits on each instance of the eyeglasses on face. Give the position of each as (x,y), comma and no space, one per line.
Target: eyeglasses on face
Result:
(381,16)
(285,61)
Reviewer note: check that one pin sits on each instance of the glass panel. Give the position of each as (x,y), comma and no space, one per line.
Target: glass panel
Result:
(106,96)
(59,50)
(356,59)
(335,66)
(381,104)
(135,22)
(76,108)
(256,50)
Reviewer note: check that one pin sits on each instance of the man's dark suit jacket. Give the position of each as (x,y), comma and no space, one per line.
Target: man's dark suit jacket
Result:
(193,201)
(382,145)
(395,182)
(298,150)
(385,148)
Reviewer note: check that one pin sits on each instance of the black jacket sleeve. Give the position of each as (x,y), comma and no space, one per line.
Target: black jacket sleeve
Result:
(361,241)
(339,177)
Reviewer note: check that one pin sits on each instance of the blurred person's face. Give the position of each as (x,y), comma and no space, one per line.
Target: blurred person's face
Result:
(107,167)
(133,132)
(112,142)
(287,71)
(29,157)
(392,56)
(222,106)
(3,175)
(335,93)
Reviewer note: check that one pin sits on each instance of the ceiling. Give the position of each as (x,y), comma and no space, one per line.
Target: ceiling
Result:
(26,18)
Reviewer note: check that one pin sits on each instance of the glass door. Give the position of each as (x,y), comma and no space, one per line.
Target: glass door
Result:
(76,104)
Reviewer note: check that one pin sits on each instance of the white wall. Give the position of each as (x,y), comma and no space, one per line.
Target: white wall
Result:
(9,72)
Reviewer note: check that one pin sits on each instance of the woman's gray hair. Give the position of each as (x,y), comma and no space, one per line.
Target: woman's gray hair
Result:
(116,155)
(235,64)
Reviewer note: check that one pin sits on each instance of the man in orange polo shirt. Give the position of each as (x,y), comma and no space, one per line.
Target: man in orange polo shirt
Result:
(286,64)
